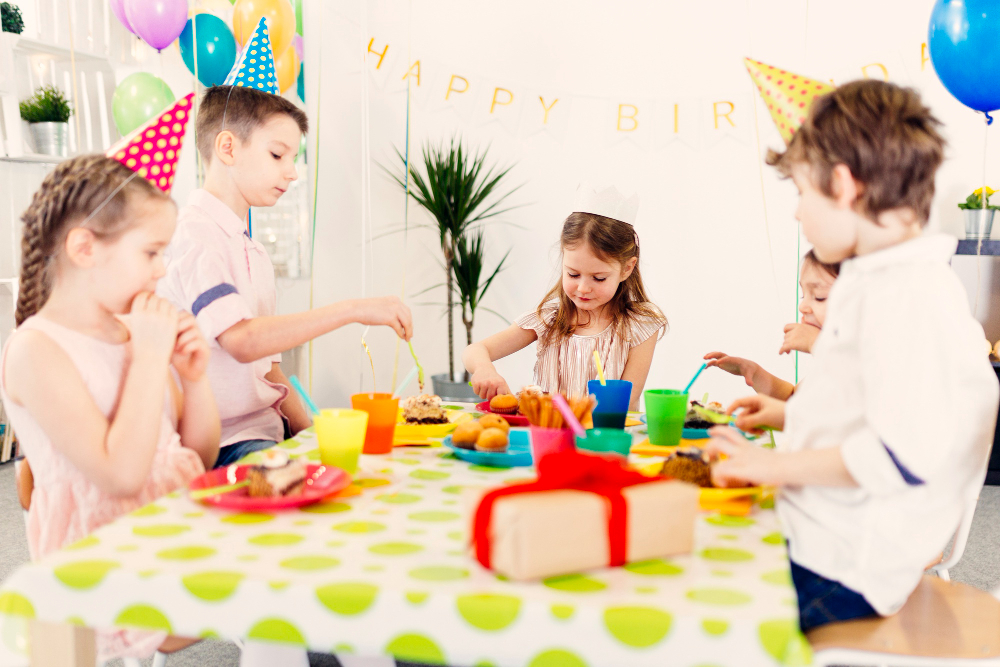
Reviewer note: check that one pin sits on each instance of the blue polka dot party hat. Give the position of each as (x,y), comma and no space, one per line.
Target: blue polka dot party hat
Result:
(254,67)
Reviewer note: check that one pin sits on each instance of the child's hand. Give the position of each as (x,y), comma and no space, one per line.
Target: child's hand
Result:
(191,352)
(152,324)
(386,311)
(488,383)
(799,336)
(733,365)
(758,411)
(744,464)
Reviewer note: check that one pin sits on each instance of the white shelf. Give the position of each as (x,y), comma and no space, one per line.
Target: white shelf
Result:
(34,158)
(32,46)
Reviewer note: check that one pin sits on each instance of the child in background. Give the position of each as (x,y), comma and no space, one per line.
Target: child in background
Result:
(599,304)
(888,436)
(119,432)
(815,280)
(249,141)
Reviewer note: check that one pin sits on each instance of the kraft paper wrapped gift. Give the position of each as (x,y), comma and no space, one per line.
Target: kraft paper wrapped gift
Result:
(583,512)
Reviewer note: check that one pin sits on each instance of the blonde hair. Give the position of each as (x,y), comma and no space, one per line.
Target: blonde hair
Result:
(610,240)
(91,189)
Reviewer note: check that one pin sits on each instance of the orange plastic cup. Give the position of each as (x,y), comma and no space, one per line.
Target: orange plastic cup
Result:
(382,411)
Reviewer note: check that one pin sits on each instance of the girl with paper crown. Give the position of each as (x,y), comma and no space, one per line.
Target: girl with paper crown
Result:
(598,305)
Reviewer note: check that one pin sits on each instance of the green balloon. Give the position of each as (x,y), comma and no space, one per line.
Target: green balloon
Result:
(138,98)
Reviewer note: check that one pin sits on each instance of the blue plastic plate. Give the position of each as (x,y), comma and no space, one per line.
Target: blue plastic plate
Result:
(518,452)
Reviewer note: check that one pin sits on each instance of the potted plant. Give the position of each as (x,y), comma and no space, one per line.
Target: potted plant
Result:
(10,18)
(461,193)
(47,113)
(468,268)
(979,214)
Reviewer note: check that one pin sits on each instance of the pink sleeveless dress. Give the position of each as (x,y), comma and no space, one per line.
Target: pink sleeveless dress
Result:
(65,505)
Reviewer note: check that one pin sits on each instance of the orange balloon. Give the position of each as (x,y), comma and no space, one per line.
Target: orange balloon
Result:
(286,68)
(280,21)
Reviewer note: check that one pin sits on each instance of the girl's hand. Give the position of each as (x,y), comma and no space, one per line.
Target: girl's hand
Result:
(488,383)
(733,365)
(759,411)
(152,324)
(386,311)
(745,464)
(799,336)
(191,352)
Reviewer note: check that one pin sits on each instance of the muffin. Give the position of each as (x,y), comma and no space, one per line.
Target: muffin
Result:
(494,421)
(492,440)
(504,404)
(466,434)
(688,466)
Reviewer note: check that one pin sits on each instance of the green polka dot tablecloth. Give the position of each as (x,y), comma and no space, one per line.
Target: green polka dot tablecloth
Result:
(388,571)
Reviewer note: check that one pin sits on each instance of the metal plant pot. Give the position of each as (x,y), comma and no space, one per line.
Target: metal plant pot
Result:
(978,223)
(453,390)
(51,138)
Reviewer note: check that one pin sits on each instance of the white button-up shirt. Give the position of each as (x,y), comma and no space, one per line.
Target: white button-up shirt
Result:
(222,276)
(901,382)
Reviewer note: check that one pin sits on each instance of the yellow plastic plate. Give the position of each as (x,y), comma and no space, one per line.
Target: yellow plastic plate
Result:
(420,433)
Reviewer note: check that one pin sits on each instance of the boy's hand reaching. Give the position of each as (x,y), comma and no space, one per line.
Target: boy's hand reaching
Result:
(152,325)
(489,383)
(745,463)
(386,311)
(759,411)
(733,365)
(191,352)
(799,336)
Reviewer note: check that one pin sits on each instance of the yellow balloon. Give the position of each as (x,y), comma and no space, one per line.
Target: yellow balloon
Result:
(280,21)
(286,68)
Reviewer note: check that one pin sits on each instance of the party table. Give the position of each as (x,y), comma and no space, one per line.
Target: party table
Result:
(387,570)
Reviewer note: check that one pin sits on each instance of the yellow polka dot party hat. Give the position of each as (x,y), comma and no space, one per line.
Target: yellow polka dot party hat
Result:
(787,95)
(152,150)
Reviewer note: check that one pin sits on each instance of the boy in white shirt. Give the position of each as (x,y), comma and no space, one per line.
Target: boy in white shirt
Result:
(890,433)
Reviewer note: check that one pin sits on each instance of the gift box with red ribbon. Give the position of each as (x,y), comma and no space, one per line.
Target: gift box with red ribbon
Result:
(583,512)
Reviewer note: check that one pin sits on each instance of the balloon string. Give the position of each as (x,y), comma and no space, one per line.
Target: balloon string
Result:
(199,166)
(315,185)
(72,63)
(406,200)
(982,216)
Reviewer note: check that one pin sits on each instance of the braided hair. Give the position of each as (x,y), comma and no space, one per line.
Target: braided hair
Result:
(78,192)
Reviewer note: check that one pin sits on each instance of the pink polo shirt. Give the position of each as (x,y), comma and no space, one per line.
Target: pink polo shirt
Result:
(222,276)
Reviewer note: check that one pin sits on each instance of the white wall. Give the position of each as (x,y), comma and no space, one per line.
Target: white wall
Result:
(721,269)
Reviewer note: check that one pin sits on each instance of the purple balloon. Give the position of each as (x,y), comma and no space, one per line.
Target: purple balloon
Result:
(118,7)
(157,22)
(300,48)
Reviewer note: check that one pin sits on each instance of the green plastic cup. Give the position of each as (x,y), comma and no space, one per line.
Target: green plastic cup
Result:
(665,412)
(605,441)
(341,436)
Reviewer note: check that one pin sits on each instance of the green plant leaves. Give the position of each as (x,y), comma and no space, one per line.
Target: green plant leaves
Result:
(47,105)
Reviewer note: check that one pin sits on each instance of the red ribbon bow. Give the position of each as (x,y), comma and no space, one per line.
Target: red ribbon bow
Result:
(570,470)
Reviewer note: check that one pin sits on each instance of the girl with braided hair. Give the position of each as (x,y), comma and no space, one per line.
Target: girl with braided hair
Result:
(104,382)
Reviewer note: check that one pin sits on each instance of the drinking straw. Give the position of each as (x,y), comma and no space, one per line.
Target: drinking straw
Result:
(420,369)
(407,380)
(201,494)
(694,378)
(302,392)
(600,368)
(567,413)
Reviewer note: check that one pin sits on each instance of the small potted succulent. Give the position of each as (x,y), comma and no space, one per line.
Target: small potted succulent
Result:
(10,18)
(979,214)
(47,113)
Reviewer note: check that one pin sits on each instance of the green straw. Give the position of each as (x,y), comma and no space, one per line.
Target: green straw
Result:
(420,369)
(201,494)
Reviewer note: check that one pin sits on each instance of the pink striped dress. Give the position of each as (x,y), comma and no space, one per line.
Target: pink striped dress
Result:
(65,505)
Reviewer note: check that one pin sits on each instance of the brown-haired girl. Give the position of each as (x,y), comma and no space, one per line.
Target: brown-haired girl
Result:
(599,304)
(90,393)
(816,279)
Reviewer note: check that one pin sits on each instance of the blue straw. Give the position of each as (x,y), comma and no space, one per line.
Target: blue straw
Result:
(694,378)
(302,392)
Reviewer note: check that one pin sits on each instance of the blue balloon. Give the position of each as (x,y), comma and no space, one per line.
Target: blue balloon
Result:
(216,48)
(964,44)
(301,88)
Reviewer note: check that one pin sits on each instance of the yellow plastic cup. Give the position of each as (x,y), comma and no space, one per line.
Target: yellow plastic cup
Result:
(341,436)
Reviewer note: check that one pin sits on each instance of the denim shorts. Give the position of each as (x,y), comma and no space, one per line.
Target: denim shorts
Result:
(232,453)
(823,601)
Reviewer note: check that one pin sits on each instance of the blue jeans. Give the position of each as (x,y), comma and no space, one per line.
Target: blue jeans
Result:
(232,453)
(823,601)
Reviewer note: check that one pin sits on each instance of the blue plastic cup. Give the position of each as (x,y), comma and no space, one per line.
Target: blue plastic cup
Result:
(612,402)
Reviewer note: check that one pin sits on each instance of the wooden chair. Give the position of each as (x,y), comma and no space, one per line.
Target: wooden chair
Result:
(943,624)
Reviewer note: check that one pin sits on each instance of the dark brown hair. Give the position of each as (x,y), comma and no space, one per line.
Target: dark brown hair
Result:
(240,110)
(811,258)
(70,193)
(883,133)
(611,241)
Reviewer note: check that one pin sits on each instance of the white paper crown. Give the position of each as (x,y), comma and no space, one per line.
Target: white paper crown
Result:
(607,202)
